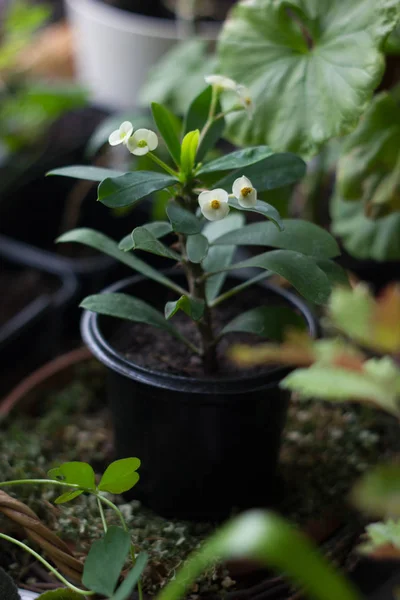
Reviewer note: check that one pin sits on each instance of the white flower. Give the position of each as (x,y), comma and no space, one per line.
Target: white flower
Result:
(245,99)
(222,82)
(244,192)
(214,204)
(121,135)
(142,142)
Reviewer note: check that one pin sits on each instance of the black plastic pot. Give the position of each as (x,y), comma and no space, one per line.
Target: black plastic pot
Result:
(207,446)
(33,334)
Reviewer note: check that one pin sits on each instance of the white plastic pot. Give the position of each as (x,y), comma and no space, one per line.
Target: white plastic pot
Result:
(25,595)
(114,49)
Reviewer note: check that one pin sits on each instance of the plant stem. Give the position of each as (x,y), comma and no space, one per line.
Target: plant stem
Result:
(211,114)
(163,165)
(46,564)
(238,288)
(101,511)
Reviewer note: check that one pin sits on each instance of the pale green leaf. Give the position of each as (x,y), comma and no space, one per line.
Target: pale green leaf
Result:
(188,151)
(237,159)
(196,247)
(130,188)
(262,208)
(182,220)
(193,307)
(125,589)
(86,172)
(157,228)
(143,239)
(120,476)
(311,66)
(266,321)
(298,235)
(68,496)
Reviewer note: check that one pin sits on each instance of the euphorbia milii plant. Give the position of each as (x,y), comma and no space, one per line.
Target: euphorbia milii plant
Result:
(209,201)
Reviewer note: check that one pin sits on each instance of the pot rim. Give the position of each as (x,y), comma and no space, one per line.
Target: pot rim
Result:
(129,22)
(104,351)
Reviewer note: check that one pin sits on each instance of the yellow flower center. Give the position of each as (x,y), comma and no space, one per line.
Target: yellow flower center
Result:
(142,144)
(215,204)
(246,191)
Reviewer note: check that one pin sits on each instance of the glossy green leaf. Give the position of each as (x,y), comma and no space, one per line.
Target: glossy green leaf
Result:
(362,237)
(301,271)
(334,272)
(120,476)
(101,242)
(189,147)
(273,172)
(311,66)
(193,307)
(237,160)
(196,247)
(196,118)
(182,220)
(143,239)
(378,492)
(165,121)
(78,473)
(157,228)
(266,321)
(68,496)
(127,307)
(268,539)
(130,188)
(106,560)
(60,594)
(219,257)
(369,165)
(86,172)
(300,236)
(262,208)
(125,589)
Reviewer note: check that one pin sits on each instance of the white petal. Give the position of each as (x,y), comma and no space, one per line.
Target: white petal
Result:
(219,194)
(248,201)
(239,184)
(213,214)
(152,140)
(115,138)
(141,134)
(126,128)
(226,83)
(139,151)
(204,198)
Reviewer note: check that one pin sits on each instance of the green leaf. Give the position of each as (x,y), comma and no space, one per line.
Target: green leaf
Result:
(237,160)
(274,172)
(157,228)
(60,594)
(266,321)
(296,55)
(125,589)
(298,235)
(177,87)
(86,172)
(101,242)
(182,220)
(105,561)
(128,189)
(382,534)
(78,473)
(268,539)
(369,165)
(165,121)
(143,239)
(188,151)
(219,257)
(262,208)
(193,307)
(392,44)
(335,273)
(120,476)
(197,117)
(196,247)
(300,270)
(127,307)
(378,492)
(68,496)
(362,237)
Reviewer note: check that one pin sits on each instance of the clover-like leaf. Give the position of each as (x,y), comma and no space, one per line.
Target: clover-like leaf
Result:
(125,589)
(120,476)
(105,561)
(68,496)
(60,594)
(296,55)
(75,472)
(193,307)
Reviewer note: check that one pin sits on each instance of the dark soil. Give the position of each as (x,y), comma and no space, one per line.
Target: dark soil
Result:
(19,289)
(157,350)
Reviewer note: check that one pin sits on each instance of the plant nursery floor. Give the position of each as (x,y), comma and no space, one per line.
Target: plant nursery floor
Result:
(325,449)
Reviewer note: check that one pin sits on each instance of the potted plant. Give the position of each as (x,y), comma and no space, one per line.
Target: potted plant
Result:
(189,407)
(139,33)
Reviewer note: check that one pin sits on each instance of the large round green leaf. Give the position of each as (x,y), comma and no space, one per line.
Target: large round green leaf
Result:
(369,166)
(311,66)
